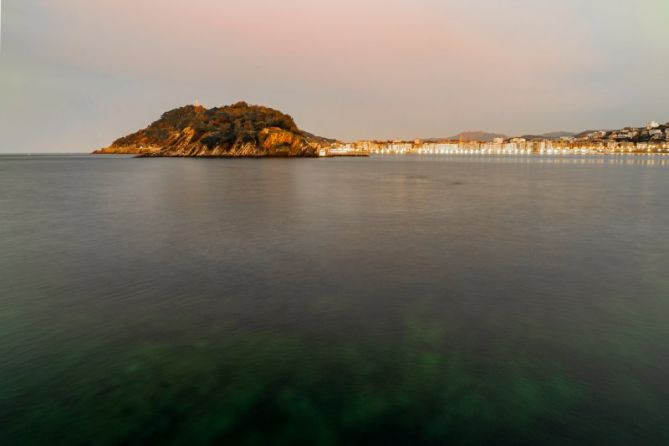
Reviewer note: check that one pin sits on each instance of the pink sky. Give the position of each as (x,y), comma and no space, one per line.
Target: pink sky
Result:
(91,71)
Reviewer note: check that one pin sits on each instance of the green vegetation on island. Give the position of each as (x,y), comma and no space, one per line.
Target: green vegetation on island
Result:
(238,130)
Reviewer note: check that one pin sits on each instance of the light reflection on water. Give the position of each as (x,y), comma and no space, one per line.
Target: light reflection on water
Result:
(393,299)
(621,159)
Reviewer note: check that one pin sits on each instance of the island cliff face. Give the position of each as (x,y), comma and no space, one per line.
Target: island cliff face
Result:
(238,130)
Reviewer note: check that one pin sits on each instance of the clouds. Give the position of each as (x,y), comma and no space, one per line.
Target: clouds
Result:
(349,69)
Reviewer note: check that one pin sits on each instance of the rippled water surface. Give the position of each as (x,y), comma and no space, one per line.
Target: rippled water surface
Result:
(395,300)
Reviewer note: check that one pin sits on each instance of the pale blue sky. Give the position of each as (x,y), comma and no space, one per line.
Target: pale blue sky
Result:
(75,74)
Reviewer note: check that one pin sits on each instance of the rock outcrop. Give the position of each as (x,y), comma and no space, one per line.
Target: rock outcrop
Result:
(238,130)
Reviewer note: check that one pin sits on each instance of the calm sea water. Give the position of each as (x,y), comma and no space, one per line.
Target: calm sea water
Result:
(393,300)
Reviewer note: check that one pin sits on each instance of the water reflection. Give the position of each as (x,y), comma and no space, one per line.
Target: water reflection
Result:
(383,300)
(629,160)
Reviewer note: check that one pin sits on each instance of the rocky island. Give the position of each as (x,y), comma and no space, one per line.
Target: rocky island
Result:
(238,130)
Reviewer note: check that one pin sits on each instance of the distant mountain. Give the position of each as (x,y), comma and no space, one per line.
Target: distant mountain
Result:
(239,130)
(585,133)
(476,136)
(558,134)
(550,135)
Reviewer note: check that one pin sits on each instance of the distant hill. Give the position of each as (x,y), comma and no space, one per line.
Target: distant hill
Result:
(487,136)
(239,130)
(477,135)
(550,135)
(585,133)
(558,134)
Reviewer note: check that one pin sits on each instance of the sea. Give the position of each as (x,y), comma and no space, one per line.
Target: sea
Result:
(463,299)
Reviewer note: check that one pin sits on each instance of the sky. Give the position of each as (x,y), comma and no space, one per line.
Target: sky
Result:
(77,74)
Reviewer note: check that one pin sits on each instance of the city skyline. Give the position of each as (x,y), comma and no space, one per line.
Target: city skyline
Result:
(83,73)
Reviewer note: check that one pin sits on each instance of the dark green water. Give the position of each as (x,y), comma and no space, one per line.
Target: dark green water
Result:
(407,300)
